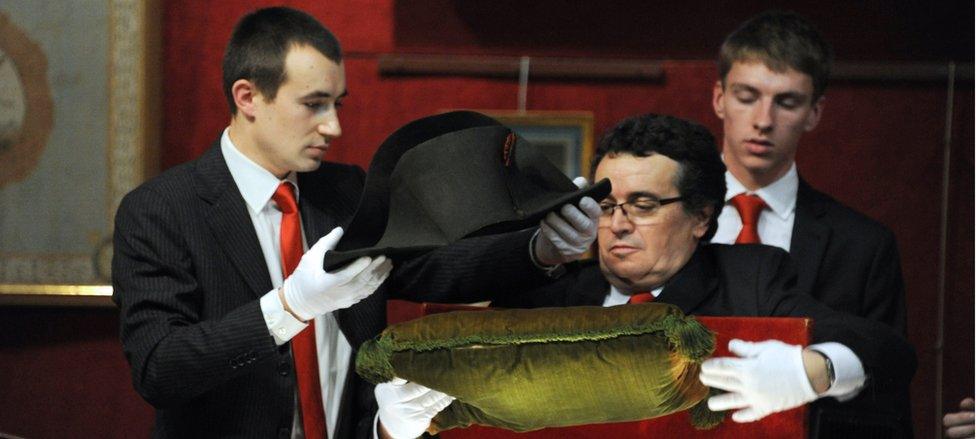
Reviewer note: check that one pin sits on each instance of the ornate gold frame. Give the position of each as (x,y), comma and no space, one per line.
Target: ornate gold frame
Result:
(134,124)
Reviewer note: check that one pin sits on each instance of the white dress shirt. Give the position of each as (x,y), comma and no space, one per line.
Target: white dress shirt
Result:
(776,229)
(257,185)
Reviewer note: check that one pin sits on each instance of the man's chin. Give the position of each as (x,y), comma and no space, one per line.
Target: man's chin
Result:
(620,274)
(310,165)
(758,162)
(765,163)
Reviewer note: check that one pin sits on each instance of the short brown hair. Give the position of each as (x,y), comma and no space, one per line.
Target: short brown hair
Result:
(781,41)
(260,43)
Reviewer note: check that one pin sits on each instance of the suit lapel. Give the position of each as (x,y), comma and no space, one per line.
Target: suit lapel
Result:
(230,224)
(694,283)
(810,235)
(314,220)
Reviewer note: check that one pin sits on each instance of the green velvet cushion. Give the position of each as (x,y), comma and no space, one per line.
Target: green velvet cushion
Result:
(548,367)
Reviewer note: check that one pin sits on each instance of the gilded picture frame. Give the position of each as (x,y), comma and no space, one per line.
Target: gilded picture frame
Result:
(84,132)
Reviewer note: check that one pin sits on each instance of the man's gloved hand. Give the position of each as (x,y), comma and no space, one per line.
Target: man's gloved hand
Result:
(311,291)
(565,236)
(769,378)
(406,408)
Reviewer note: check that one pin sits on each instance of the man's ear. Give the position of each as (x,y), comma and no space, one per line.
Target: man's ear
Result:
(245,96)
(814,117)
(702,219)
(718,104)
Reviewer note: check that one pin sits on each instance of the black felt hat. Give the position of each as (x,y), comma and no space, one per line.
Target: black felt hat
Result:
(452,176)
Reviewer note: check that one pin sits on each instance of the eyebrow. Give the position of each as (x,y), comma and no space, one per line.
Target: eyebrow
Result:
(743,87)
(318,94)
(636,196)
(642,194)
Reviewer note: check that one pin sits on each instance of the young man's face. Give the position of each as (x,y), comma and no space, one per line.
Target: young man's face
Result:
(637,254)
(293,131)
(764,114)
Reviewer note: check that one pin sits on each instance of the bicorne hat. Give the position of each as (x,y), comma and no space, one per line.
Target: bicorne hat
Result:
(452,176)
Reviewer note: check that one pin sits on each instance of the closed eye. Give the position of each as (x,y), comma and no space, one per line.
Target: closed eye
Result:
(745,98)
(644,206)
(790,101)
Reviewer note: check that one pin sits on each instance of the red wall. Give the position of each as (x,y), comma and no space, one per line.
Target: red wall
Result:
(879,148)
(62,375)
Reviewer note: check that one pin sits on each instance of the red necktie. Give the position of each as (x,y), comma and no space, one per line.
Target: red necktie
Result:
(303,344)
(641,298)
(749,207)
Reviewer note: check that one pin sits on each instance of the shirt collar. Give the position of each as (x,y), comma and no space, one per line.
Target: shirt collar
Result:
(619,298)
(256,184)
(780,195)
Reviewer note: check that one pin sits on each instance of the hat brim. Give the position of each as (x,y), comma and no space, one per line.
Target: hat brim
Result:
(336,259)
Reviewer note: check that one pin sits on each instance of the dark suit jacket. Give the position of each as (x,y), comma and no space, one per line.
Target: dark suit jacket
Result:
(850,263)
(847,260)
(759,281)
(188,273)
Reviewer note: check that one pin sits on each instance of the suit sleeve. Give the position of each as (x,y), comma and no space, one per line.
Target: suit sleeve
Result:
(470,270)
(889,360)
(174,356)
(884,293)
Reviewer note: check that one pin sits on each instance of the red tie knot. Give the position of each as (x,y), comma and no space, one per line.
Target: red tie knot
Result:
(749,207)
(284,197)
(643,297)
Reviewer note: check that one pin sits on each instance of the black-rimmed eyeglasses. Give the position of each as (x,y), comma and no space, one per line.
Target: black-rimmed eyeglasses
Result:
(636,210)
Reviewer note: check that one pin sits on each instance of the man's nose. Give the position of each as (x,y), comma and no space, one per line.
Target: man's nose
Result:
(619,222)
(329,126)
(762,118)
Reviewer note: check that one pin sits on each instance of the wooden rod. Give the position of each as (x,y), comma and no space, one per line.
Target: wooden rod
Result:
(634,70)
(894,71)
(508,67)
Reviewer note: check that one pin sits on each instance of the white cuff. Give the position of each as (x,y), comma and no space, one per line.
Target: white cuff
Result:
(848,371)
(376,423)
(532,252)
(281,324)
(552,271)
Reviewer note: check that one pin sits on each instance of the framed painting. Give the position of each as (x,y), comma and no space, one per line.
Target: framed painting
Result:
(565,137)
(78,130)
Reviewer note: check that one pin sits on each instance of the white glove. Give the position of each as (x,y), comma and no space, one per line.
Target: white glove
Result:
(565,236)
(406,408)
(769,378)
(311,291)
